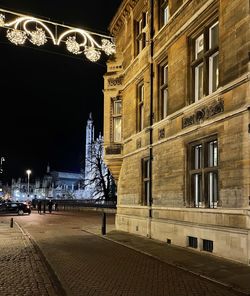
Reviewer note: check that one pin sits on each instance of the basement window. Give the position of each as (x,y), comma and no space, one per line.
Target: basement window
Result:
(192,242)
(208,245)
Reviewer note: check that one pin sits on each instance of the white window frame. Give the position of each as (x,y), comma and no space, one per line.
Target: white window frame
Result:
(203,173)
(211,73)
(145,181)
(204,55)
(140,98)
(141,31)
(163,90)
(197,82)
(117,116)
(163,13)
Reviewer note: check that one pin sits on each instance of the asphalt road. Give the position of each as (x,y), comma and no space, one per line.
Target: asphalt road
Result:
(87,264)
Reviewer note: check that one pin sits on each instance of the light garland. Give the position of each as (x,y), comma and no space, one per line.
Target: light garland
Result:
(16,36)
(108,47)
(92,54)
(2,20)
(90,44)
(38,37)
(72,45)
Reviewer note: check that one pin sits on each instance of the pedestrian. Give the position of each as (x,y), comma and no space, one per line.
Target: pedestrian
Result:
(56,206)
(39,206)
(50,204)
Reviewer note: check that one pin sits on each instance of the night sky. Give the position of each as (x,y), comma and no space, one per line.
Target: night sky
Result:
(48,93)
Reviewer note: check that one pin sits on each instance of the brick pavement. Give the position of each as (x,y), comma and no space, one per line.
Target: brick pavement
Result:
(225,272)
(87,264)
(22,270)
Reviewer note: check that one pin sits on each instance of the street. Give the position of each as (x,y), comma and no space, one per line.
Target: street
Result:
(87,264)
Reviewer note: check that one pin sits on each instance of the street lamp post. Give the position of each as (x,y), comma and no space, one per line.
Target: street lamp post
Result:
(28,173)
(1,164)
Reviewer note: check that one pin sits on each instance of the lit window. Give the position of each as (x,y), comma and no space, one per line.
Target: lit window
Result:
(163,12)
(205,56)
(203,173)
(145,181)
(163,90)
(141,33)
(117,120)
(140,107)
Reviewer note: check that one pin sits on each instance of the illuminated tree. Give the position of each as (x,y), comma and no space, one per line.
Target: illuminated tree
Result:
(98,178)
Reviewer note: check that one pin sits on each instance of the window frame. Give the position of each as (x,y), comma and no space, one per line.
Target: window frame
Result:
(203,58)
(145,192)
(140,106)
(199,194)
(163,86)
(140,32)
(163,8)
(116,116)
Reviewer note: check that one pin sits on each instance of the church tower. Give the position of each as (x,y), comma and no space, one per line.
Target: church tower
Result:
(93,149)
(90,133)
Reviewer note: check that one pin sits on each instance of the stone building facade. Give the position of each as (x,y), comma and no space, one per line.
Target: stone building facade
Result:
(177,123)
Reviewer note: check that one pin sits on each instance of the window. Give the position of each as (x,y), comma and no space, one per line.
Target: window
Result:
(163,12)
(145,181)
(163,90)
(141,33)
(208,245)
(117,120)
(203,173)
(140,106)
(192,242)
(205,62)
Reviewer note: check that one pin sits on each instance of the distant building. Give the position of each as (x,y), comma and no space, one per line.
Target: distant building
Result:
(63,184)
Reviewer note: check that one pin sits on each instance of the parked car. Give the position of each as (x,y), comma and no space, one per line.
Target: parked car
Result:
(19,208)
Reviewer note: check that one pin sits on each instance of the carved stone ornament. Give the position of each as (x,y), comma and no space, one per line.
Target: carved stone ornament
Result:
(204,113)
(138,143)
(116,81)
(161,133)
(122,17)
(114,149)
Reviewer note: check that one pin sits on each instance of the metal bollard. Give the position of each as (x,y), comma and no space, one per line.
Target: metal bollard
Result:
(11,222)
(103,223)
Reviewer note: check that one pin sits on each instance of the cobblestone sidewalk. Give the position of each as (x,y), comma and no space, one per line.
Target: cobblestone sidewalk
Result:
(22,270)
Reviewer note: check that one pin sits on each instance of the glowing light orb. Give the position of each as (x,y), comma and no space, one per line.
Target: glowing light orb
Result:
(16,36)
(108,47)
(38,37)
(72,45)
(2,20)
(92,54)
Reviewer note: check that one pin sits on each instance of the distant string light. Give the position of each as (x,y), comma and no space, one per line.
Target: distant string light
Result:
(38,32)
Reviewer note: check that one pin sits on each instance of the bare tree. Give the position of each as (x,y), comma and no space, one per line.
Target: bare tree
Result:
(98,178)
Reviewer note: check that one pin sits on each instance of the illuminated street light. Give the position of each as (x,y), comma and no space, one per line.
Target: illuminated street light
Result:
(28,172)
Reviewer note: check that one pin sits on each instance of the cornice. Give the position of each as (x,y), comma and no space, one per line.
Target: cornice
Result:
(121,16)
